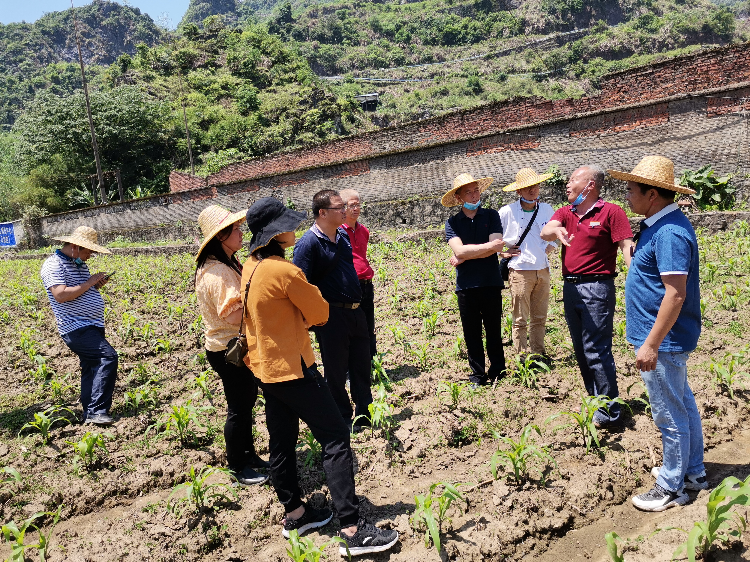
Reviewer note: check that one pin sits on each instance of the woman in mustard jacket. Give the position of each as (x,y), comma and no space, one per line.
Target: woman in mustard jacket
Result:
(280,306)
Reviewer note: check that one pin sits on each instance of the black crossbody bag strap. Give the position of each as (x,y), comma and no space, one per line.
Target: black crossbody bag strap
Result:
(528,227)
(244,302)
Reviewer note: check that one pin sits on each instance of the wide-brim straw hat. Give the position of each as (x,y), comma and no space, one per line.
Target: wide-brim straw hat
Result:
(653,170)
(450,200)
(86,237)
(213,220)
(267,218)
(526,177)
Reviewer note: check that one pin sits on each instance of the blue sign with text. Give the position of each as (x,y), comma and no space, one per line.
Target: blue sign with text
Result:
(7,236)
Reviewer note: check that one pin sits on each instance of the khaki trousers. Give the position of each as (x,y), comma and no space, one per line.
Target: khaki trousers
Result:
(530,293)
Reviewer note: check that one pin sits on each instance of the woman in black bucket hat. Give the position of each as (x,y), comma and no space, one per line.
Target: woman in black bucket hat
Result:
(279,307)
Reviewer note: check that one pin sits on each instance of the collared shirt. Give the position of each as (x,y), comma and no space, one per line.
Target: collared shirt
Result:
(514,219)
(667,246)
(359,236)
(217,288)
(315,254)
(481,272)
(596,235)
(84,310)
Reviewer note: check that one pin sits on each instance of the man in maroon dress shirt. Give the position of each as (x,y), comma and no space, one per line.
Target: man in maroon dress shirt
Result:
(359,236)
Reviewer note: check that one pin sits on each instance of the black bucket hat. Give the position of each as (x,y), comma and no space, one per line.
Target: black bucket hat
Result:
(268,217)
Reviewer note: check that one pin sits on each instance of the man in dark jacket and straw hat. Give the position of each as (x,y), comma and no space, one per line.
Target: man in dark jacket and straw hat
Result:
(476,236)
(79,310)
(663,316)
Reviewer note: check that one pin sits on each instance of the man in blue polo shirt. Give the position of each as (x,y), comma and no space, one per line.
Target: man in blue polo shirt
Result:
(663,316)
(324,254)
(475,236)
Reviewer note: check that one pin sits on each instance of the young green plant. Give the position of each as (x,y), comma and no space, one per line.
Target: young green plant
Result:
(197,494)
(43,421)
(519,453)
(583,420)
(425,517)
(304,549)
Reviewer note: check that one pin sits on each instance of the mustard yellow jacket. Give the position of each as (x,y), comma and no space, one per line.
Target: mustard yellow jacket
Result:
(279,305)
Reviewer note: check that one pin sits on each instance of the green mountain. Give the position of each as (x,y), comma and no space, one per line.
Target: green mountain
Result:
(199,10)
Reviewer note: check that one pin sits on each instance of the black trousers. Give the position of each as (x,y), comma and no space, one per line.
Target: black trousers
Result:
(309,400)
(477,306)
(345,350)
(241,391)
(368,307)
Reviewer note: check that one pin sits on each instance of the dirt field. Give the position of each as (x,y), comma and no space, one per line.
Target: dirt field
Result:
(115,505)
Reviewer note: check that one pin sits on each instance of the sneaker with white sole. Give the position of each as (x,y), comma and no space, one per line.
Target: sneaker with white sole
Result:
(99,419)
(367,539)
(694,482)
(311,519)
(659,499)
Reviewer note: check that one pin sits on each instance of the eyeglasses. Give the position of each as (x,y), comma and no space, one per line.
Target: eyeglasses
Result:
(354,206)
(343,209)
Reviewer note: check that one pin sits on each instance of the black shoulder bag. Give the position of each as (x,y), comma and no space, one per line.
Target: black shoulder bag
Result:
(504,270)
(237,346)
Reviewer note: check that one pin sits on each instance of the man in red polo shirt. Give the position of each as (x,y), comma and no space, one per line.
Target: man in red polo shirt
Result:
(591,231)
(359,237)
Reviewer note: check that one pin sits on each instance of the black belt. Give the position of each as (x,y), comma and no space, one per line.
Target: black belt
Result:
(351,305)
(587,278)
(365,281)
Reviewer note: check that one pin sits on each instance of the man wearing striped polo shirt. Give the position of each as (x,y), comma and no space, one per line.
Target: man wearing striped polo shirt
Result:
(79,310)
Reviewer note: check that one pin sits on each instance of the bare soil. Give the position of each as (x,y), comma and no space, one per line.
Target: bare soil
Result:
(117,507)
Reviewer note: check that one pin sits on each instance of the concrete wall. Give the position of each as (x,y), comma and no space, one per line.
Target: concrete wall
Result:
(690,109)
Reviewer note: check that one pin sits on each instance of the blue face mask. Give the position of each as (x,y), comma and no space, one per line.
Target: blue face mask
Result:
(528,200)
(78,262)
(472,206)
(581,197)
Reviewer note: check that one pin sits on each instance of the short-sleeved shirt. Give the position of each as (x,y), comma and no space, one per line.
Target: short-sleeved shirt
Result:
(315,253)
(666,247)
(481,272)
(217,288)
(514,219)
(359,236)
(593,250)
(86,309)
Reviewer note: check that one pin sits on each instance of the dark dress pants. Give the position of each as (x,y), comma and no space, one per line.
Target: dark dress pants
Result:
(478,306)
(241,392)
(98,368)
(309,399)
(590,312)
(368,307)
(345,350)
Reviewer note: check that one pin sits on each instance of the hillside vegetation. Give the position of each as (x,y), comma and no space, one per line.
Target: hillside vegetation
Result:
(257,76)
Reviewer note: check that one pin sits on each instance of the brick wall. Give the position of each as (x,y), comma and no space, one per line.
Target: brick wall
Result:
(401,172)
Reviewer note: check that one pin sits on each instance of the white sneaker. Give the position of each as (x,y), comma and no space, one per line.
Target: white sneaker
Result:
(659,499)
(692,481)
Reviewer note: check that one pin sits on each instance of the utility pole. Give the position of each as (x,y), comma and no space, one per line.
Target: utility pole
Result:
(102,189)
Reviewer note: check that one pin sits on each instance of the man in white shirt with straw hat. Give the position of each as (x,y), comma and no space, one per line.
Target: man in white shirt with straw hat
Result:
(79,310)
(528,276)
(663,321)
(476,236)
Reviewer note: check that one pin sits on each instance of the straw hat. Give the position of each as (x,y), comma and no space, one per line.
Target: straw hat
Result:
(653,170)
(214,219)
(526,177)
(267,218)
(449,199)
(85,237)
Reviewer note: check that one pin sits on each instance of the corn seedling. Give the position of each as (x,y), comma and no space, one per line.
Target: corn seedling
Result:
(197,494)
(726,373)
(527,370)
(43,372)
(379,374)
(304,549)
(454,390)
(620,329)
(709,271)
(15,535)
(202,382)
(146,333)
(28,345)
(613,548)
(722,524)
(583,420)
(127,328)
(646,402)
(86,449)
(422,354)
(430,321)
(8,474)
(181,420)
(143,397)
(164,345)
(313,448)
(424,515)
(43,421)
(380,411)
(458,347)
(59,390)
(200,359)
(519,453)
(507,328)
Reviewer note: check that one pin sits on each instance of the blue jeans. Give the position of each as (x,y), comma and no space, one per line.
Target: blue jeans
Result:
(98,368)
(589,312)
(676,415)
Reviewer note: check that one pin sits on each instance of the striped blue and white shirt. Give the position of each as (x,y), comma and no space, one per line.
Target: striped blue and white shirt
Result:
(85,310)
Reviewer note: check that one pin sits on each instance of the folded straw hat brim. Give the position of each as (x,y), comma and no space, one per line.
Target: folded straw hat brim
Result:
(627,176)
(515,186)
(449,199)
(83,243)
(239,216)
